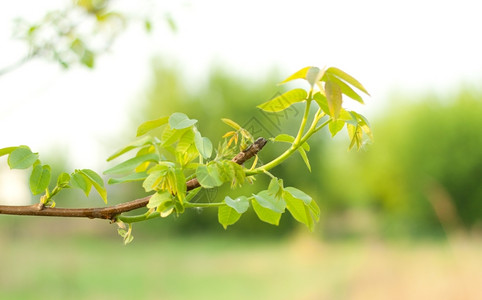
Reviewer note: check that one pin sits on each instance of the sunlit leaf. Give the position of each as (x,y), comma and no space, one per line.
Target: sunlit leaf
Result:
(63,180)
(336,126)
(298,210)
(301,74)
(334,98)
(240,204)
(322,102)
(129,178)
(231,123)
(150,125)
(185,141)
(265,199)
(158,199)
(298,194)
(146,140)
(314,75)
(203,145)
(302,152)
(22,158)
(265,214)
(180,121)
(39,179)
(208,176)
(284,101)
(96,181)
(8,150)
(346,89)
(348,78)
(77,180)
(130,164)
(227,216)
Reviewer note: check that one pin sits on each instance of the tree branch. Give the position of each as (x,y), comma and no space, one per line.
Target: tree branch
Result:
(111,212)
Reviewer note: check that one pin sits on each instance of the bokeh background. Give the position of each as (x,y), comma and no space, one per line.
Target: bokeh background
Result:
(401,218)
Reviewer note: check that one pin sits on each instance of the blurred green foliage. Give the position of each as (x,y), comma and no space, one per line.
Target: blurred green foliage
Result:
(422,175)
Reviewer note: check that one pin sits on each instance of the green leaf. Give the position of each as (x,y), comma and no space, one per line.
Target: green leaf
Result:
(322,102)
(266,214)
(227,216)
(181,187)
(180,121)
(39,179)
(298,210)
(336,126)
(170,135)
(129,178)
(185,141)
(240,204)
(96,181)
(63,180)
(147,140)
(284,101)
(203,145)
(158,199)
(152,180)
(296,193)
(302,152)
(356,136)
(314,210)
(150,125)
(131,164)
(22,158)
(314,75)
(231,123)
(208,176)
(334,98)
(301,74)
(77,180)
(269,201)
(345,89)
(348,78)
(8,150)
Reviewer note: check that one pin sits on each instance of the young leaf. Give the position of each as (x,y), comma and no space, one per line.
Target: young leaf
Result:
(63,180)
(240,204)
(345,89)
(314,75)
(266,200)
(150,125)
(208,176)
(171,135)
(180,121)
(322,102)
(289,139)
(227,216)
(147,140)
(185,141)
(298,210)
(129,178)
(231,123)
(8,150)
(39,179)
(158,199)
(296,193)
(302,152)
(266,214)
(22,158)
(132,163)
(336,126)
(334,98)
(348,78)
(96,181)
(284,101)
(77,180)
(301,74)
(203,145)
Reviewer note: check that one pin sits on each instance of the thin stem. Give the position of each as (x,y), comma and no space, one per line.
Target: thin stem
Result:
(138,218)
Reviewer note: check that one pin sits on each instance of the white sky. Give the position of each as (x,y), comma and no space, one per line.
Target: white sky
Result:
(406,45)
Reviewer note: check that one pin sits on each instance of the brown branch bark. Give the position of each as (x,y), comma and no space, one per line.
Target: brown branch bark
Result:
(110,212)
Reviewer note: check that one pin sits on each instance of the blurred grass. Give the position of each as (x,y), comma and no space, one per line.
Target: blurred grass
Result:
(77,260)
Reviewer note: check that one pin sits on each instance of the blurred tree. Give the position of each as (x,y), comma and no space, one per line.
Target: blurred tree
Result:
(423,173)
